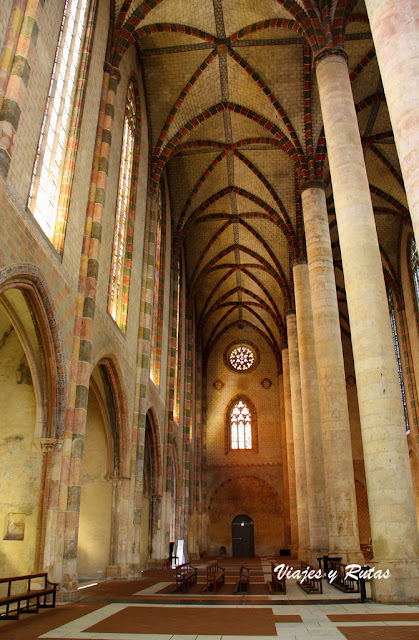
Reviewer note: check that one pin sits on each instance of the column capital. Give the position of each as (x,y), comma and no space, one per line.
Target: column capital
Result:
(290,312)
(112,71)
(298,261)
(312,184)
(326,52)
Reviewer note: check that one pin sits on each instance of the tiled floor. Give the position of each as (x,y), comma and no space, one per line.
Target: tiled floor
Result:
(136,611)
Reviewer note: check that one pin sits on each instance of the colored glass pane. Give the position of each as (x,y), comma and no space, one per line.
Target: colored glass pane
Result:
(242,358)
(241,426)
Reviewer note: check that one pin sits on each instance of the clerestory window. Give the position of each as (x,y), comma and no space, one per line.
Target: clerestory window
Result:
(398,358)
(45,197)
(414,270)
(122,249)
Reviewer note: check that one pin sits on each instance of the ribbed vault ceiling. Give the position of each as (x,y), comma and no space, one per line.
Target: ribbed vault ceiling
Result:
(235,123)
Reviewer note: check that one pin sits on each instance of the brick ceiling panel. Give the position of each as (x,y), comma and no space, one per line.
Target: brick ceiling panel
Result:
(223,205)
(281,69)
(217,180)
(195,248)
(194,13)
(357,50)
(198,240)
(238,14)
(184,171)
(278,169)
(244,204)
(274,33)
(246,179)
(388,228)
(244,91)
(155,45)
(274,237)
(367,82)
(211,129)
(204,94)
(243,128)
(247,239)
(364,117)
(380,176)
(212,279)
(382,122)
(165,77)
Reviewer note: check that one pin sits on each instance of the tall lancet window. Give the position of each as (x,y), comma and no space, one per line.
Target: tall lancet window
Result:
(414,269)
(118,283)
(398,358)
(44,193)
(241,426)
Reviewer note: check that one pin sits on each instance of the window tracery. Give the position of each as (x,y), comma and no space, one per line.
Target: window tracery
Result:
(414,269)
(241,426)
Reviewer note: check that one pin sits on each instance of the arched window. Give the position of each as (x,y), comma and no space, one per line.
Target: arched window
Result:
(414,269)
(121,248)
(158,295)
(241,425)
(47,176)
(398,358)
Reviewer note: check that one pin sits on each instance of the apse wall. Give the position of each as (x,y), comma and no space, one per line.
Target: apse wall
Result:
(244,482)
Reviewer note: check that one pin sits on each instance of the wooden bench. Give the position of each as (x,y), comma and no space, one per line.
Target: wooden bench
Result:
(244,579)
(185,576)
(276,584)
(215,577)
(310,585)
(34,599)
(348,585)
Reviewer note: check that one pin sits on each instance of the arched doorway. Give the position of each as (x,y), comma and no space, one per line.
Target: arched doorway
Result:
(243,539)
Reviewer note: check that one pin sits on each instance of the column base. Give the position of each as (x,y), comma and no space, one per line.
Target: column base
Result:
(123,572)
(403,584)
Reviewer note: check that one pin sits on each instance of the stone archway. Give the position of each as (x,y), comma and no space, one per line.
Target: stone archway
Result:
(32,403)
(104,459)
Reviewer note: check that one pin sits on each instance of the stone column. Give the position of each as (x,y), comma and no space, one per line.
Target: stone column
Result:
(336,434)
(298,437)
(389,481)
(395,31)
(290,452)
(316,486)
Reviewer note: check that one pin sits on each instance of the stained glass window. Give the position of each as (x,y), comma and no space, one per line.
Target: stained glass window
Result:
(414,267)
(398,358)
(49,160)
(241,426)
(241,358)
(154,368)
(118,302)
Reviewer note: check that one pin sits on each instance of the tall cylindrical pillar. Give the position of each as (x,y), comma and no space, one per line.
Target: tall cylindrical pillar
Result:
(389,481)
(290,451)
(394,28)
(316,486)
(336,435)
(298,435)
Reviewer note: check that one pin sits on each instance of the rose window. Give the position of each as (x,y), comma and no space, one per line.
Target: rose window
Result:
(241,358)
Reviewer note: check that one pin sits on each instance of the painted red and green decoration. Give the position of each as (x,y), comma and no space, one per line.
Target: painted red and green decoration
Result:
(241,358)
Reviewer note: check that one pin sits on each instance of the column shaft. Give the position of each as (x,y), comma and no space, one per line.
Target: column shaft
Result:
(394,28)
(316,486)
(290,451)
(298,436)
(336,435)
(389,480)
